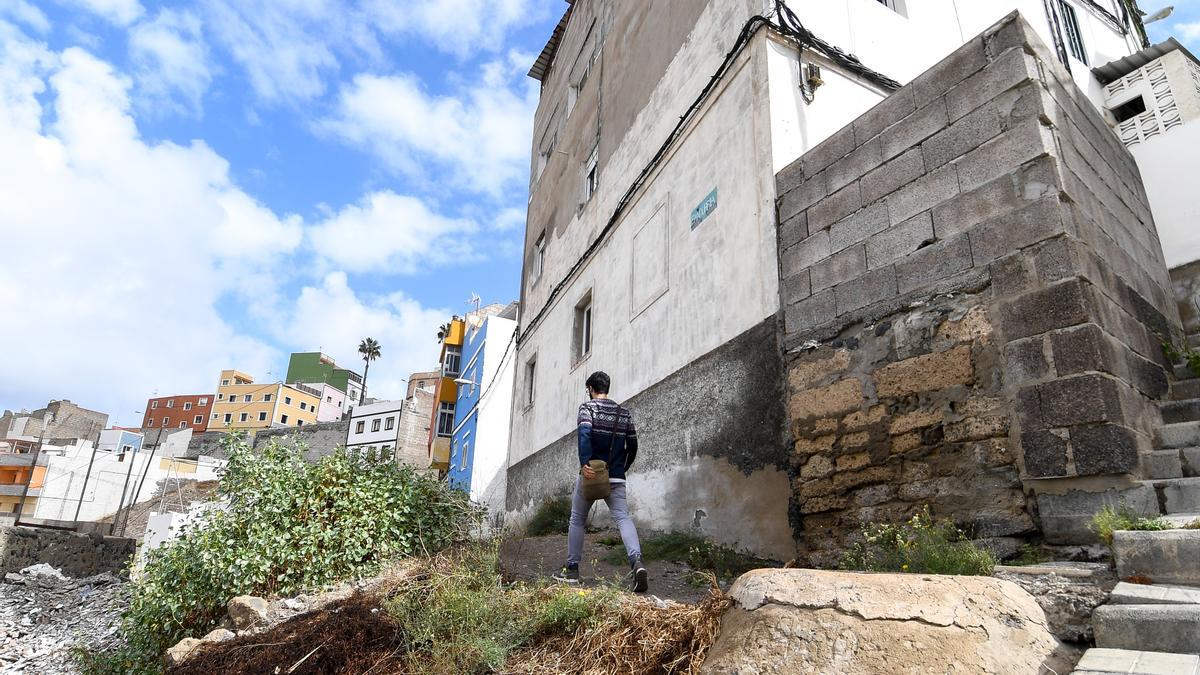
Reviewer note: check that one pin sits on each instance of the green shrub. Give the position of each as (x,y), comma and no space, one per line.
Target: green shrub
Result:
(552,517)
(1029,555)
(1188,356)
(463,619)
(1110,519)
(288,526)
(1194,525)
(921,546)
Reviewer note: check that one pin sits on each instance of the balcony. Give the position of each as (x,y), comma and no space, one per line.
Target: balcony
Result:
(439,454)
(18,489)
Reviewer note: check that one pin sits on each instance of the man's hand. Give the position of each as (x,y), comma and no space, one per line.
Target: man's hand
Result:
(588,472)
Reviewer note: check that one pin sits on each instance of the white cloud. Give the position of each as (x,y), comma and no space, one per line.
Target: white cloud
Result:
(1187,32)
(480,136)
(125,247)
(170,60)
(120,12)
(391,233)
(334,319)
(456,26)
(22,11)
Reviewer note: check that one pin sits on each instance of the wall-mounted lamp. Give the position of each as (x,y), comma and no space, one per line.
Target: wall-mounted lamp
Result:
(1159,15)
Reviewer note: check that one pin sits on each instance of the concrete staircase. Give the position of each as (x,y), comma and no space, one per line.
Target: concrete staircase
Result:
(1153,627)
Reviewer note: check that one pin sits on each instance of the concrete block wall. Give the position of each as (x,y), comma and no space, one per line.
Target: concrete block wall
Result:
(318,440)
(983,234)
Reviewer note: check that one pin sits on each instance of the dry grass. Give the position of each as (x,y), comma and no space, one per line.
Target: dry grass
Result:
(452,613)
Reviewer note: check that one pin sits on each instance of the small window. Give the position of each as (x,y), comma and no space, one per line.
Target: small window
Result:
(329,399)
(375,425)
(465,449)
(171,403)
(452,367)
(591,176)
(583,328)
(1130,109)
(216,416)
(445,420)
(228,418)
(530,379)
(243,417)
(203,402)
(267,398)
(361,427)
(220,397)
(303,405)
(187,406)
(283,419)
(153,405)
(150,422)
(183,425)
(1074,36)
(287,400)
(262,416)
(389,424)
(539,257)
(224,383)
(299,423)
(166,421)
(246,398)
(199,419)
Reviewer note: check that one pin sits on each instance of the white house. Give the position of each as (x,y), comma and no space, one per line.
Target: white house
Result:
(375,426)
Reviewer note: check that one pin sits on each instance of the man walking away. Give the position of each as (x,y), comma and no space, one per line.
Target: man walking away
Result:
(606,433)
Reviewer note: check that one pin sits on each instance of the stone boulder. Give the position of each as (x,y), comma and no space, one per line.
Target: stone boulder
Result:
(814,621)
(176,655)
(247,611)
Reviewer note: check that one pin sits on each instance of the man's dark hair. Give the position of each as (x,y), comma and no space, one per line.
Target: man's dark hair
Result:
(598,382)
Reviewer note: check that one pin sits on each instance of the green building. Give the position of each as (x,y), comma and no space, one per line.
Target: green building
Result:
(313,368)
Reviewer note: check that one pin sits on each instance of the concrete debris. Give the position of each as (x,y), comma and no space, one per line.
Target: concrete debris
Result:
(1067,596)
(45,615)
(248,612)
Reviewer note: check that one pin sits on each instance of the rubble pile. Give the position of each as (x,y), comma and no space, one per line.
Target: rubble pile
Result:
(44,616)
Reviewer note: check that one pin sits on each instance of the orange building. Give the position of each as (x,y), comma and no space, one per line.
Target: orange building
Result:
(17,470)
(441,426)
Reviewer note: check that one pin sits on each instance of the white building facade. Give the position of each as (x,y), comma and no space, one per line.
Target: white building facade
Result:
(375,426)
(651,247)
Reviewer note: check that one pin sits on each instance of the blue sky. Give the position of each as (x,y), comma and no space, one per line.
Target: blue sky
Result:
(190,186)
(216,183)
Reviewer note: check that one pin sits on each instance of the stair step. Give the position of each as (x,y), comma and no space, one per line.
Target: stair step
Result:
(1193,341)
(1177,495)
(1182,390)
(1126,593)
(1189,459)
(1181,520)
(1181,435)
(1174,412)
(1166,464)
(1156,628)
(1098,660)
(1183,372)
(1164,557)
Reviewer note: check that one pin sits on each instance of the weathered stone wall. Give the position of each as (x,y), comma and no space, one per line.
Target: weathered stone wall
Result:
(976,266)
(77,555)
(318,440)
(1185,281)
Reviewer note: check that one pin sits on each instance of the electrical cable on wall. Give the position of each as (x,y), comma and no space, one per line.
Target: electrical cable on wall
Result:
(788,26)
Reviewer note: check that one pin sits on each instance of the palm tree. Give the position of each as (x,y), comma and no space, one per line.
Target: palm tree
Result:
(443,332)
(370,351)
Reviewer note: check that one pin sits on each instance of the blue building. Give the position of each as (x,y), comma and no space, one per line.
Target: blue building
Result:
(479,443)
(120,441)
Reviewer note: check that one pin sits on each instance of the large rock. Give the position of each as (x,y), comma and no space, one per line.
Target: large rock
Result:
(813,621)
(247,611)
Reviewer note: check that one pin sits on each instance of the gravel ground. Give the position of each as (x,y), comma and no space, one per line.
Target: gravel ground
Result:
(44,616)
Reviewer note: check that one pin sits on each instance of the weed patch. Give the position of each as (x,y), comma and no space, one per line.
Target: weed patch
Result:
(922,546)
(703,555)
(1029,555)
(552,517)
(1109,520)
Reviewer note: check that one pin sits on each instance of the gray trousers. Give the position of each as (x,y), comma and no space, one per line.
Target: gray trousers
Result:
(620,513)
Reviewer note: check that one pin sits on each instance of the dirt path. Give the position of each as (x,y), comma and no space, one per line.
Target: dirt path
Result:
(533,558)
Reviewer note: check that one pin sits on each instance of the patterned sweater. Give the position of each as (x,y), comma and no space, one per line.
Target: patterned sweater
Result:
(606,432)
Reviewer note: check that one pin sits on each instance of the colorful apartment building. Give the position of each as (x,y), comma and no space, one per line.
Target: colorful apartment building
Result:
(20,467)
(441,426)
(179,412)
(316,370)
(242,405)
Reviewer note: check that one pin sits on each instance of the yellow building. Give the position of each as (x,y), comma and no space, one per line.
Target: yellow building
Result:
(242,405)
(441,427)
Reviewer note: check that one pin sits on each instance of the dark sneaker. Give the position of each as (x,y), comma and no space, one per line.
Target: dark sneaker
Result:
(568,574)
(641,579)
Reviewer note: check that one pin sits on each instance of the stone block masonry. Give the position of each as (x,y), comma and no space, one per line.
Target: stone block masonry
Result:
(986,293)
(76,555)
